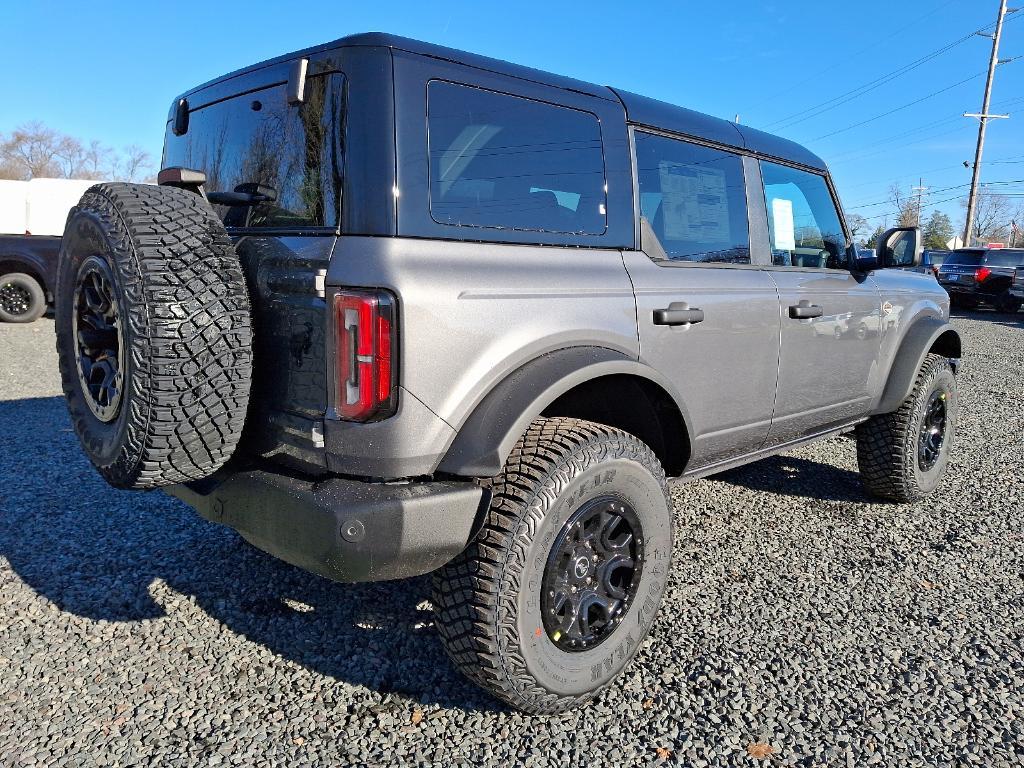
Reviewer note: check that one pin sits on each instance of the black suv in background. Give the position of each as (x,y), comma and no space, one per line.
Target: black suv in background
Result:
(974,276)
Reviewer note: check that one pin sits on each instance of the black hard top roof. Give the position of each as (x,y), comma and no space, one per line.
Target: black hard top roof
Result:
(639,109)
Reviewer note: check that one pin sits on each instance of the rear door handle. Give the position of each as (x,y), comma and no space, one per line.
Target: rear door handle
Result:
(805,310)
(672,316)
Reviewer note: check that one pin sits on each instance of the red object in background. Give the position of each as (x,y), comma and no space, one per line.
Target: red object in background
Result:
(982,273)
(996,245)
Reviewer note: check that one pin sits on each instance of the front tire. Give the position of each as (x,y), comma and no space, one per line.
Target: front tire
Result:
(903,454)
(553,596)
(22,299)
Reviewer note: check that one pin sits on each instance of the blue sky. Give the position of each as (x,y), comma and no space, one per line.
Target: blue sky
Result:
(108,70)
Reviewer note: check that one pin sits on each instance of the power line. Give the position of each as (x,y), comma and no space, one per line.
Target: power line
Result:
(898,109)
(841,61)
(837,101)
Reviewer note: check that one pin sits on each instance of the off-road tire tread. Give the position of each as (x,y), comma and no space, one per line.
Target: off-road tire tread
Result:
(184,295)
(474,595)
(885,461)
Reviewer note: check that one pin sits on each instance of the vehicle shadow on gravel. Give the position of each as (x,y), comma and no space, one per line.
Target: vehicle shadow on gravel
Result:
(795,476)
(102,554)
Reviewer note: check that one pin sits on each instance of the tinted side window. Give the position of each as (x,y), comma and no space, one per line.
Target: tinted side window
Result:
(504,161)
(292,150)
(694,199)
(802,219)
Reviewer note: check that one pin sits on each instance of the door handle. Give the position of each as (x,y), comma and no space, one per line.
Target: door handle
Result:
(672,316)
(805,310)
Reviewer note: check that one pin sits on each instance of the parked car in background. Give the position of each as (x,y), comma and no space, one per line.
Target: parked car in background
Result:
(32,216)
(974,276)
(931,260)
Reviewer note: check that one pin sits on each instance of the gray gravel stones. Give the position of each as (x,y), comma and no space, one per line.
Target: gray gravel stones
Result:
(838,631)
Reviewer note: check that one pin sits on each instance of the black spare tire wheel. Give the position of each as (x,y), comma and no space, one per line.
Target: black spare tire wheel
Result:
(21,298)
(153,333)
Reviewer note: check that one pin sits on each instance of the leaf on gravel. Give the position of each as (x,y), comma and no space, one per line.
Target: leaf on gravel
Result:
(298,741)
(925,584)
(663,753)
(648,703)
(760,750)
(417,716)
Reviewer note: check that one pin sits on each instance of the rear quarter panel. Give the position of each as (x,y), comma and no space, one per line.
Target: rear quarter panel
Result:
(471,313)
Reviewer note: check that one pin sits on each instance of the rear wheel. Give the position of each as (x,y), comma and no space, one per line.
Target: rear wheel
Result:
(554,595)
(22,299)
(903,454)
(1007,303)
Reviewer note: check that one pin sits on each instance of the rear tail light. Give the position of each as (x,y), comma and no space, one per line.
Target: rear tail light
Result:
(981,275)
(364,324)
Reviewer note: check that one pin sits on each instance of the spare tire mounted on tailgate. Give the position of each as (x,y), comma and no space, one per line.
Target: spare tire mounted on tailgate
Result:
(154,334)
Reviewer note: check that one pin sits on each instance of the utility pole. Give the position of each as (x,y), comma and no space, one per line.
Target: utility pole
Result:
(920,189)
(983,118)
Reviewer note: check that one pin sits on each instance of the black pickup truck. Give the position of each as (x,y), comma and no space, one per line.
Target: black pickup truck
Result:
(28,272)
(973,276)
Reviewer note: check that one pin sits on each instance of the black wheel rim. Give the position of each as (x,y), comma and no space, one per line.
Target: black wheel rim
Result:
(98,338)
(933,431)
(592,574)
(15,299)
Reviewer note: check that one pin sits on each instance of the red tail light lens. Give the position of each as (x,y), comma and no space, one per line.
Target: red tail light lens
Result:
(981,275)
(364,324)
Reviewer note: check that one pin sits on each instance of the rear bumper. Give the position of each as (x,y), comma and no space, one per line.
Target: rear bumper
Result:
(1017,291)
(345,530)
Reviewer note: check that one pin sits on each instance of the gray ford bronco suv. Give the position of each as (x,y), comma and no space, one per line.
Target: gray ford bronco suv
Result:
(396,309)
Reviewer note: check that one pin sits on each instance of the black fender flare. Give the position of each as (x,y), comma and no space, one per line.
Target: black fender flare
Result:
(486,438)
(924,335)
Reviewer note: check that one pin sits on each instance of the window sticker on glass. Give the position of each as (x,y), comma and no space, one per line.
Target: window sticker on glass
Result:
(782,224)
(695,202)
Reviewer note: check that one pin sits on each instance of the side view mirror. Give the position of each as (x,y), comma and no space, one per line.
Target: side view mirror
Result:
(899,247)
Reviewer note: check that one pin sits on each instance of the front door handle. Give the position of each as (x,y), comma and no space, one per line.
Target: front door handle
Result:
(805,310)
(671,316)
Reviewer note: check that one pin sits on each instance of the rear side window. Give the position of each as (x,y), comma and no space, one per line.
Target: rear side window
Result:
(802,219)
(509,162)
(292,151)
(970,258)
(1005,258)
(694,199)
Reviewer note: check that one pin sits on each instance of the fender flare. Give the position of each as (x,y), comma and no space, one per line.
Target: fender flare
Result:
(917,342)
(486,438)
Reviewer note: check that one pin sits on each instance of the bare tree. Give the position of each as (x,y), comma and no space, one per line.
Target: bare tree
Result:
(992,215)
(31,150)
(859,226)
(34,151)
(136,163)
(907,213)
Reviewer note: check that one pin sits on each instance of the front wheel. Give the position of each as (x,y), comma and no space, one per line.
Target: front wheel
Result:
(21,298)
(903,454)
(553,596)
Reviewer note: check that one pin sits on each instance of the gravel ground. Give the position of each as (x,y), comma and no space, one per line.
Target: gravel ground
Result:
(800,616)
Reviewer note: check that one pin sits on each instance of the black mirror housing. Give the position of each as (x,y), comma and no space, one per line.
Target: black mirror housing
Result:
(899,247)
